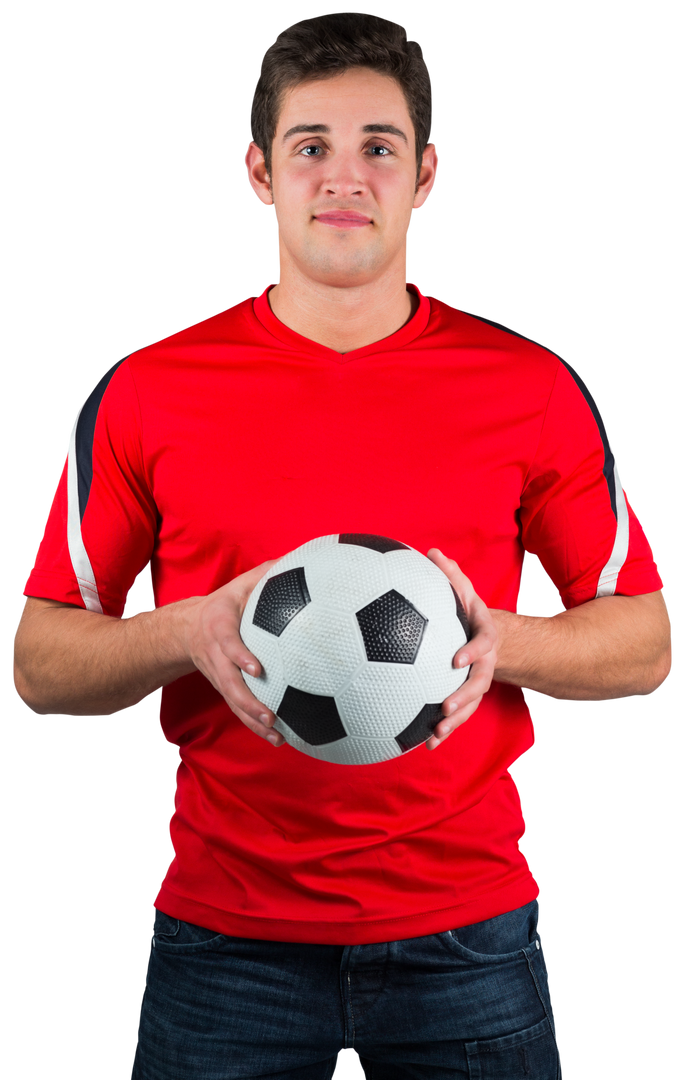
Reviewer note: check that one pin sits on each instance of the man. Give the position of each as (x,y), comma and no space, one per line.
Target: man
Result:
(313,906)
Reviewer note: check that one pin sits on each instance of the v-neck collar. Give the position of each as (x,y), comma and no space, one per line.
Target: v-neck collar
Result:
(416,325)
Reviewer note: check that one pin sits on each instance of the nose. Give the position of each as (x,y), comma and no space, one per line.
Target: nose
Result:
(345,175)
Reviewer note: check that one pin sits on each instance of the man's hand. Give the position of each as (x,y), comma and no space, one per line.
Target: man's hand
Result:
(480,652)
(214,645)
(68,660)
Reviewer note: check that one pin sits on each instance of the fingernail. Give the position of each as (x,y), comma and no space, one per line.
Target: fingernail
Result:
(273,738)
(463,661)
(451,708)
(264,718)
(251,669)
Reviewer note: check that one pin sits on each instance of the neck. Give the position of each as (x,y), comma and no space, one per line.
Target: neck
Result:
(343,319)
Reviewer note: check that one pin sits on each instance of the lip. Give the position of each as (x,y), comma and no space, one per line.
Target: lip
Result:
(343,219)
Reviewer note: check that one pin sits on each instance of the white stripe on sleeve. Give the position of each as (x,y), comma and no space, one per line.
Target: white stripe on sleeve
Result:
(80,562)
(608,576)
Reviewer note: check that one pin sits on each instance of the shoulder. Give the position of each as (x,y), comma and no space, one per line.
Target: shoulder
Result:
(502,349)
(230,328)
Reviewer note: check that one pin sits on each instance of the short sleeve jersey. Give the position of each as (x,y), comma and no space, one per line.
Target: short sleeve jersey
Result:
(236,441)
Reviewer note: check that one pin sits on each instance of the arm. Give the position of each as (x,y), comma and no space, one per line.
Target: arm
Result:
(68,660)
(607,648)
(610,647)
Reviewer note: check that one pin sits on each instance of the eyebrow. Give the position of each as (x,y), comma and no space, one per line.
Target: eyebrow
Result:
(323,129)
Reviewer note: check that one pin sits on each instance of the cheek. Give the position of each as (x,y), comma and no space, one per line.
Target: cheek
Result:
(293,192)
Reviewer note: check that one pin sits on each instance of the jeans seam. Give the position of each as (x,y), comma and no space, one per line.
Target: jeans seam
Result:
(529,960)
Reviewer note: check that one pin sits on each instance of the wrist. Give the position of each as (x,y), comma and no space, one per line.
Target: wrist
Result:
(170,631)
(519,639)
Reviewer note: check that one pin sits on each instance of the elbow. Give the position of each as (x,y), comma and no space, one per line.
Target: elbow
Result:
(667,666)
(27,692)
(24,698)
(658,671)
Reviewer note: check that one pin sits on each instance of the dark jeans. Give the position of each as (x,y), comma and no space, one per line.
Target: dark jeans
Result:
(470,1003)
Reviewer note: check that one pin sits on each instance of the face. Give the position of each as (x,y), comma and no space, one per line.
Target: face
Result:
(343,177)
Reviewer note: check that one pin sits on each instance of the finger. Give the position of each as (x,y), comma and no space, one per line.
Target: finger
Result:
(248,662)
(474,651)
(444,728)
(227,678)
(234,648)
(273,737)
(249,710)
(438,556)
(459,581)
(462,657)
(450,719)
(239,696)
(477,684)
(476,648)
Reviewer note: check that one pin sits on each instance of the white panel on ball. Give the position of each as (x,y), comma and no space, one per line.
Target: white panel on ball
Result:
(269,687)
(346,576)
(321,649)
(421,582)
(381,700)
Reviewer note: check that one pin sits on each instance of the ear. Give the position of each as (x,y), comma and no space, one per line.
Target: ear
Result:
(428,175)
(256,175)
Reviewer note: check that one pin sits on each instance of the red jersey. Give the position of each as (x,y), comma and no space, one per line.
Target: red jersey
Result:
(236,441)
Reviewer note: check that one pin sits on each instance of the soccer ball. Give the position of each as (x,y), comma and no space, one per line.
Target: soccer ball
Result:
(356,635)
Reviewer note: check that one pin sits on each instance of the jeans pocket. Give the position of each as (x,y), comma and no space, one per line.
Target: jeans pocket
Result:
(179,935)
(529,1053)
(502,939)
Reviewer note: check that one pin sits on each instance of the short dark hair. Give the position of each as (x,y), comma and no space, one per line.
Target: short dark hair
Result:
(330,45)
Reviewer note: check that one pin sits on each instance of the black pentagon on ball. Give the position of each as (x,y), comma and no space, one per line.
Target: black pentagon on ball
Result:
(392,629)
(314,717)
(420,729)
(370,540)
(282,598)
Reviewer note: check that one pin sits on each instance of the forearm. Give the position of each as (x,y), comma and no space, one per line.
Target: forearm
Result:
(610,647)
(68,660)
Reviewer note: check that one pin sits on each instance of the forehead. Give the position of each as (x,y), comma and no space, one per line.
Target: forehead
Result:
(356,98)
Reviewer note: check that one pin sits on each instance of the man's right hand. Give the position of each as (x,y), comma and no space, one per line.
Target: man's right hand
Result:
(217,650)
(69,660)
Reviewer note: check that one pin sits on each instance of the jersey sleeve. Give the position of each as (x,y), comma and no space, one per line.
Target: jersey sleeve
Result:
(574,513)
(102,525)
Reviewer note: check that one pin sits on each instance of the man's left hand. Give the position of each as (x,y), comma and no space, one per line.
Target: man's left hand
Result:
(480,652)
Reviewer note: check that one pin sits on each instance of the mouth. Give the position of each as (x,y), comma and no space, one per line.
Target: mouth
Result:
(343,219)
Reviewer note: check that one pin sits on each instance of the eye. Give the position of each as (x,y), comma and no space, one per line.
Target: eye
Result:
(374,146)
(380,151)
(313,147)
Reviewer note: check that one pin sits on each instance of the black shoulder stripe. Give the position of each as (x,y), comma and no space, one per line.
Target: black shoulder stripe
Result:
(85,430)
(585,389)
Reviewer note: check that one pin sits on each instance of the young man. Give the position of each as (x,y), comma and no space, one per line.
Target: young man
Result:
(313,906)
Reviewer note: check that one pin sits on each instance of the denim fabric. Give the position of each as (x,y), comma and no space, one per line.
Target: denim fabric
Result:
(467,1004)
